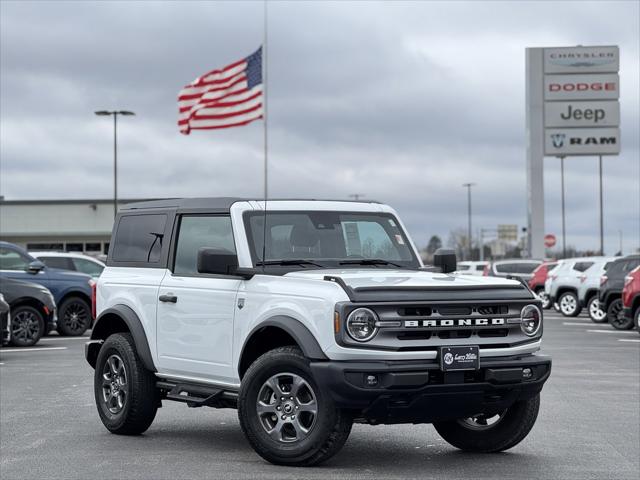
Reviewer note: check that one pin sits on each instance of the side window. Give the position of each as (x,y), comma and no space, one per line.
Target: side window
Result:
(88,267)
(139,238)
(62,263)
(582,266)
(201,231)
(12,260)
(480,268)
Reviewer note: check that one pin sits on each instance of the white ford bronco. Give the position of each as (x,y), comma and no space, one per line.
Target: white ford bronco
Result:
(306,318)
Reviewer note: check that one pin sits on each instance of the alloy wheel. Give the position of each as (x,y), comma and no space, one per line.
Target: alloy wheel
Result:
(482,421)
(568,304)
(616,316)
(75,317)
(287,407)
(595,312)
(114,384)
(25,326)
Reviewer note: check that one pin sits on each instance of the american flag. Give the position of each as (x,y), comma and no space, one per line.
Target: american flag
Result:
(228,97)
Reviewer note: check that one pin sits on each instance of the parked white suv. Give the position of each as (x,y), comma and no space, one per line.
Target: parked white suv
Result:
(589,286)
(76,262)
(322,317)
(563,282)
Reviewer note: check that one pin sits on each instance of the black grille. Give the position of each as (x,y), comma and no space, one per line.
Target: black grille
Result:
(455,310)
(493,332)
(415,312)
(493,310)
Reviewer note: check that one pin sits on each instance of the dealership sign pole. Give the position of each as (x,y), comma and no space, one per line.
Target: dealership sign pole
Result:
(572,110)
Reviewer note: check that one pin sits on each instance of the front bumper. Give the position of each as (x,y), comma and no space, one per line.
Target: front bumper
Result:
(5,328)
(419,392)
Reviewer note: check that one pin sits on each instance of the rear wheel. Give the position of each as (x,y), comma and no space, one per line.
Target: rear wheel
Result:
(125,391)
(27,326)
(287,419)
(636,319)
(616,317)
(74,317)
(569,305)
(492,433)
(596,314)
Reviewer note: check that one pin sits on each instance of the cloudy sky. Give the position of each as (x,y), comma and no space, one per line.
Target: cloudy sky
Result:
(402,102)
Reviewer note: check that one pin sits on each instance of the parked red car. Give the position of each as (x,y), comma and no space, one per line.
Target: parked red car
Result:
(536,283)
(631,297)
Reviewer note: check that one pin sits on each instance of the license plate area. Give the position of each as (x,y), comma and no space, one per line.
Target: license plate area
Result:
(456,359)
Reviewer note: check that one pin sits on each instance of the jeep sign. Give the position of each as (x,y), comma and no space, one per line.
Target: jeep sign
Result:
(582,114)
(582,141)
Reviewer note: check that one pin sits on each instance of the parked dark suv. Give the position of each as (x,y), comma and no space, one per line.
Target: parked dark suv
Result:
(71,290)
(33,311)
(611,285)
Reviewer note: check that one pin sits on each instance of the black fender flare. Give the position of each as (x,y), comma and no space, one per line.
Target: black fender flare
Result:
(135,327)
(300,333)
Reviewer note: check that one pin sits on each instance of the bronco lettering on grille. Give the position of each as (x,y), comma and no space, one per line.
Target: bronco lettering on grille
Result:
(460,322)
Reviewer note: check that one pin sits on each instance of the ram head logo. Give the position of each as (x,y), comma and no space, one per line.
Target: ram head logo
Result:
(558,140)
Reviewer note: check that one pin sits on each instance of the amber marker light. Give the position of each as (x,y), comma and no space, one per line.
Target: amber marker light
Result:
(336,322)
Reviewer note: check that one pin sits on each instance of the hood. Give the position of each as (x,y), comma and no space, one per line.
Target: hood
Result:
(404,279)
(68,275)
(387,285)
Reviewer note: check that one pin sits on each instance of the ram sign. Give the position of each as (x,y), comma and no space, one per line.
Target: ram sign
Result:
(561,142)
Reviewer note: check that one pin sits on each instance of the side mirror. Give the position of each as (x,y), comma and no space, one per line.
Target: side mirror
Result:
(35,267)
(445,260)
(216,261)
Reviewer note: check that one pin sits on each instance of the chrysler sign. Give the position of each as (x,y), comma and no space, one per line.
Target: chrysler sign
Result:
(582,60)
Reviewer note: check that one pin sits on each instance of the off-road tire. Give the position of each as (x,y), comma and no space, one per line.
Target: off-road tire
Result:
(589,308)
(36,328)
(516,424)
(326,437)
(65,327)
(616,317)
(142,396)
(574,297)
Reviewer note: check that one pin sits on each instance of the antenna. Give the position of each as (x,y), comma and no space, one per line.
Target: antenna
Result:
(266,138)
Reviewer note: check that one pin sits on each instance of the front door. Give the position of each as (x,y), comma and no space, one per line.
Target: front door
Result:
(196,311)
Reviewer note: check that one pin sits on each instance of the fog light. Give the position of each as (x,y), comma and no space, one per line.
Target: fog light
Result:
(527,373)
(372,380)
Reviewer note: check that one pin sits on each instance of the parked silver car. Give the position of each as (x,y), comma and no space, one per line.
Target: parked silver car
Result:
(521,268)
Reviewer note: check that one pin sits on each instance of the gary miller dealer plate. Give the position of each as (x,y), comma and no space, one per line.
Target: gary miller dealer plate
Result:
(459,358)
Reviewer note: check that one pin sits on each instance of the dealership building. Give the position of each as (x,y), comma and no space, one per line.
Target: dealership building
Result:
(59,225)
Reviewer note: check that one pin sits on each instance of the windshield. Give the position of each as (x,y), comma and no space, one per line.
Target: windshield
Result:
(329,239)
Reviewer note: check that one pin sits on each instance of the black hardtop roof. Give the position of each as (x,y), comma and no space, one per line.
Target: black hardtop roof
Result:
(218,204)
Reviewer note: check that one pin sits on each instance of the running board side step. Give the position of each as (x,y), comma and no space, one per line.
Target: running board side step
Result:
(197,395)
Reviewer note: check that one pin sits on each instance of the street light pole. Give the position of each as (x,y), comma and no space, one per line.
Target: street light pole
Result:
(115,113)
(468,186)
(564,236)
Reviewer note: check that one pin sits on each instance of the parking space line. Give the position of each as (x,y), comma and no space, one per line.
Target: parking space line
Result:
(634,340)
(27,349)
(626,332)
(57,339)
(578,324)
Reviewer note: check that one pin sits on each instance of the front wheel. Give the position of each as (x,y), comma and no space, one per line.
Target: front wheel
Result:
(286,418)
(125,391)
(495,433)
(616,317)
(596,314)
(544,298)
(569,306)
(27,326)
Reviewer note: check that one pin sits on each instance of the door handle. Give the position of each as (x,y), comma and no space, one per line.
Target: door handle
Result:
(168,298)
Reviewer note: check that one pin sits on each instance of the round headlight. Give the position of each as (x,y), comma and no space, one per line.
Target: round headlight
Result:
(531,320)
(361,324)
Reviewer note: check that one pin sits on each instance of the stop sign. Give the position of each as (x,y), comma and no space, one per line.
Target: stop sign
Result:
(549,240)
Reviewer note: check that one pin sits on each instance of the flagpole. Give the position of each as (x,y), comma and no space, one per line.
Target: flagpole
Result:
(266,137)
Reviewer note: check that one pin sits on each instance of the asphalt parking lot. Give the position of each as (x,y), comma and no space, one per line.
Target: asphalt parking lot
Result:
(589,426)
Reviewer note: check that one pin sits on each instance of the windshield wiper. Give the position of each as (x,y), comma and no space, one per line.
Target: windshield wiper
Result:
(293,261)
(369,261)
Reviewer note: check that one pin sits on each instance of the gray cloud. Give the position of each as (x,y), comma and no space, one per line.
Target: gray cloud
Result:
(401,101)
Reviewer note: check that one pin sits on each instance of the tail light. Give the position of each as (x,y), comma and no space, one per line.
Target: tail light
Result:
(93,286)
(603,280)
(485,272)
(627,280)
